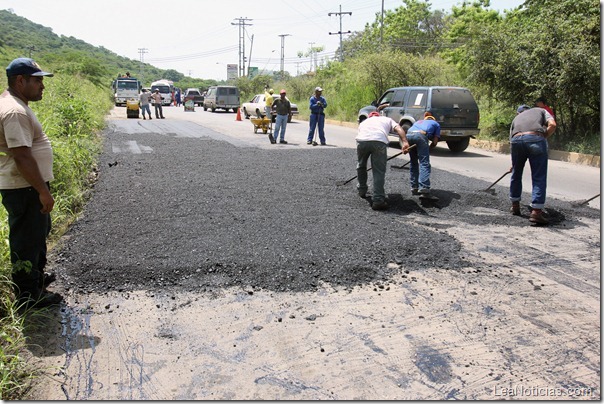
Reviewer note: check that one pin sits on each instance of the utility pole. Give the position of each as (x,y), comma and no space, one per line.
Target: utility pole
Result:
(382,29)
(242,23)
(283,53)
(340,32)
(141,52)
(312,52)
(31,49)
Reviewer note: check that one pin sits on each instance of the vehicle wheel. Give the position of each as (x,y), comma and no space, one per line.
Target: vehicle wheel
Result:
(289,119)
(235,110)
(255,129)
(457,146)
(258,113)
(205,108)
(213,108)
(245,114)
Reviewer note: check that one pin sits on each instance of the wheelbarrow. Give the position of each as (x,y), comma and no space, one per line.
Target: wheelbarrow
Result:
(261,123)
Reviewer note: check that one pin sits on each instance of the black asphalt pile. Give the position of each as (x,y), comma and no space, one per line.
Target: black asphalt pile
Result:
(200,214)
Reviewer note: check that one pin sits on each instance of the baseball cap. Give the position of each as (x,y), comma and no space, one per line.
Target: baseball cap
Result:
(374,113)
(522,108)
(318,89)
(270,91)
(25,66)
(282,91)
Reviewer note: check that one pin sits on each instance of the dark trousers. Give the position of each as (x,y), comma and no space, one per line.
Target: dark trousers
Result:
(159,112)
(28,230)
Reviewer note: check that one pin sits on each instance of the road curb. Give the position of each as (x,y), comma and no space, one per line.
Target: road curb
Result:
(504,148)
(569,157)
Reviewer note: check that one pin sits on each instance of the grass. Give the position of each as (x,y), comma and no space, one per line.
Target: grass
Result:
(72,114)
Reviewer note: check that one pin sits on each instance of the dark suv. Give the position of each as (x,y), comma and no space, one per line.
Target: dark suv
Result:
(453,107)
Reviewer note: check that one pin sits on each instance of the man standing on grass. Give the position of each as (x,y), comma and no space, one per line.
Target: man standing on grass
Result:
(25,175)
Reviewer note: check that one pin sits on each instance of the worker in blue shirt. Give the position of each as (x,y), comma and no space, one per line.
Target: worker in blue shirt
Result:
(318,103)
(420,134)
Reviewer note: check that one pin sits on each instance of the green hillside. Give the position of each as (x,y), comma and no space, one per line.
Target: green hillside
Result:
(20,37)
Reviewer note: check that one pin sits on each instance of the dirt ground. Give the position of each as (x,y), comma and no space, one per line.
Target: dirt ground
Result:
(236,300)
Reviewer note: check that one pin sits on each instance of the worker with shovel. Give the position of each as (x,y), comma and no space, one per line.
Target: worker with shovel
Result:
(528,141)
(422,132)
(372,140)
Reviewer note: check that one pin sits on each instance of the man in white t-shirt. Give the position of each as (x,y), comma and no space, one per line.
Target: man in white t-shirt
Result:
(25,175)
(372,140)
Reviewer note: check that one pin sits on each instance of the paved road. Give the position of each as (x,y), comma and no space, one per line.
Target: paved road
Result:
(209,264)
(566,181)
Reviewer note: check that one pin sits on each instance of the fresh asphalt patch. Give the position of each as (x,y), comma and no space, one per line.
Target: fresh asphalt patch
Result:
(200,214)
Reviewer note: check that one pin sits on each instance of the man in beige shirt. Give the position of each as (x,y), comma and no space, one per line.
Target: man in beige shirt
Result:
(25,175)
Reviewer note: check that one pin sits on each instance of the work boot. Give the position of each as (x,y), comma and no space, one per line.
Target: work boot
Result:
(271,138)
(515,209)
(379,205)
(283,141)
(537,217)
(414,191)
(45,299)
(308,142)
(424,191)
(49,277)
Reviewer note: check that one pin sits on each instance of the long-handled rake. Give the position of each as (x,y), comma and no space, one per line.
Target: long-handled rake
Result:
(340,183)
(498,179)
(584,202)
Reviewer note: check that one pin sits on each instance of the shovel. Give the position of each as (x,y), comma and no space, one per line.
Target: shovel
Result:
(498,179)
(584,202)
(369,169)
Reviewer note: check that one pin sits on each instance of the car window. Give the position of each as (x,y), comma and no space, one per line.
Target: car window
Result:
(232,91)
(397,100)
(417,99)
(453,98)
(386,98)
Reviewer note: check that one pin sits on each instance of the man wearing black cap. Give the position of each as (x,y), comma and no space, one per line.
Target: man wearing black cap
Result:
(528,134)
(25,174)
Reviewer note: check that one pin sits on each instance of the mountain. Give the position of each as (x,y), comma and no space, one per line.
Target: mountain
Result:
(20,37)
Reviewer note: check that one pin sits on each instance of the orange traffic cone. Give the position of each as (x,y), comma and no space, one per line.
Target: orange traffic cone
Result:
(238,115)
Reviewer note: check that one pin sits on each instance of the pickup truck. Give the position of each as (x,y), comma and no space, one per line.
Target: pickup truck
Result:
(195,94)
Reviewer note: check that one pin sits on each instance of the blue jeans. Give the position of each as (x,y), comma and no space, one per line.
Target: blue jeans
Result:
(280,124)
(533,148)
(317,119)
(379,155)
(419,172)
(146,108)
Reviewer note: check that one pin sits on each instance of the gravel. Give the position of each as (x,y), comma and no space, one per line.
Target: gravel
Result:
(199,214)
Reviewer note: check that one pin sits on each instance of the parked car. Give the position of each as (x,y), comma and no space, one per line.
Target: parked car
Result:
(256,107)
(195,95)
(453,107)
(221,97)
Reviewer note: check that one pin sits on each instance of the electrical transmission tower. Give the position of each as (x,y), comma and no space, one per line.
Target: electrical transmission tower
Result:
(340,32)
(242,23)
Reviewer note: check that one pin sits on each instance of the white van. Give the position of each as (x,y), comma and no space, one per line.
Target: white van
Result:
(221,97)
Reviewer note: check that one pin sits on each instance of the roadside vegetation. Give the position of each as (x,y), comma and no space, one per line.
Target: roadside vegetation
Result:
(548,48)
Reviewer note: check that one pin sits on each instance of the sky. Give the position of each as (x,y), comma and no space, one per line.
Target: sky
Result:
(199,38)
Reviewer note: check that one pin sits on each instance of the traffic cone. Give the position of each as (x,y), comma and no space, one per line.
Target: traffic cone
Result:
(238,114)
